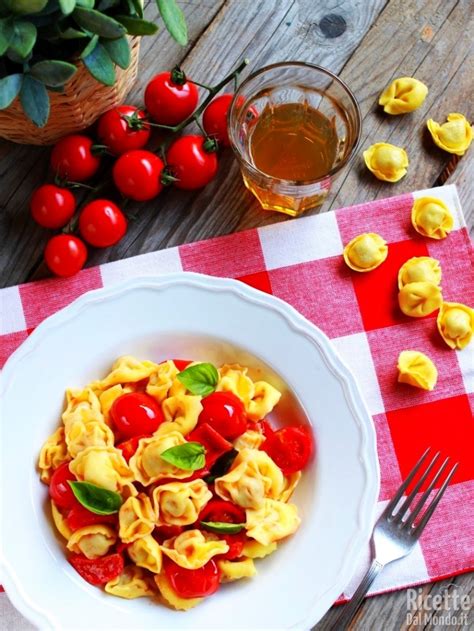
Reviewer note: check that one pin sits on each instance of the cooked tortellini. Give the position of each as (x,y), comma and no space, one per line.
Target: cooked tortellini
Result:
(255,550)
(53,453)
(272,521)
(454,136)
(403,95)
(161,380)
(146,464)
(419,269)
(133,582)
(192,550)
(137,518)
(179,503)
(249,440)
(235,570)
(181,414)
(105,467)
(264,399)
(146,552)
(431,217)
(84,423)
(92,541)
(419,299)
(417,369)
(365,252)
(387,162)
(171,597)
(60,521)
(233,378)
(456,324)
(126,369)
(291,482)
(107,398)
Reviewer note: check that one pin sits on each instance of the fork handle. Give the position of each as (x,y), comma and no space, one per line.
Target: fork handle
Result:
(353,605)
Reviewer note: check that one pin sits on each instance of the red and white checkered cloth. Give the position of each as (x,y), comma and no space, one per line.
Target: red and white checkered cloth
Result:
(300,261)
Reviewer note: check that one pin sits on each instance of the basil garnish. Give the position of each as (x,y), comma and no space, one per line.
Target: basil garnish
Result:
(189,456)
(222,527)
(200,379)
(221,465)
(96,499)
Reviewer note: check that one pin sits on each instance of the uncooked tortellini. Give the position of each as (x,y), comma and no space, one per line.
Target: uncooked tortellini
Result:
(53,453)
(146,464)
(431,217)
(179,503)
(456,324)
(271,522)
(403,95)
(105,467)
(417,369)
(387,162)
(419,269)
(92,541)
(235,570)
(137,518)
(419,299)
(146,552)
(365,252)
(131,583)
(455,136)
(191,550)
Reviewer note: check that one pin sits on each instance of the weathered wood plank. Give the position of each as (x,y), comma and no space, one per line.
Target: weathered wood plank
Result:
(462,176)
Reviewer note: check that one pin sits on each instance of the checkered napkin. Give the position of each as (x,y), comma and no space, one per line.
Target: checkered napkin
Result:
(300,261)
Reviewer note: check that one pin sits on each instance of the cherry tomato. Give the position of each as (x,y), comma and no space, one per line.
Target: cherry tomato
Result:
(214,444)
(168,102)
(102,223)
(214,119)
(290,448)
(224,412)
(59,489)
(120,136)
(72,158)
(97,571)
(191,163)
(263,427)
(162,533)
(65,254)
(79,517)
(221,510)
(137,175)
(136,413)
(181,364)
(129,447)
(52,206)
(193,583)
(236,545)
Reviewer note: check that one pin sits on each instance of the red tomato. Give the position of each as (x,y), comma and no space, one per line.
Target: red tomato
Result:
(102,223)
(224,412)
(236,545)
(72,158)
(181,364)
(221,510)
(129,447)
(118,134)
(162,533)
(263,427)
(52,206)
(136,413)
(290,448)
(97,571)
(214,444)
(214,119)
(168,102)
(193,583)
(137,175)
(79,517)
(59,488)
(65,254)
(190,163)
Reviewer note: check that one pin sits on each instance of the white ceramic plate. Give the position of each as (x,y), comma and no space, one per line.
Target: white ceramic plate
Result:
(188,315)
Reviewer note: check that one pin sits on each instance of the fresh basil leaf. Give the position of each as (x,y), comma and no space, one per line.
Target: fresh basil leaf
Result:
(99,64)
(137,26)
(95,498)
(6,34)
(99,23)
(190,456)
(174,20)
(53,72)
(9,88)
(67,6)
(200,379)
(222,527)
(24,38)
(119,51)
(34,100)
(221,465)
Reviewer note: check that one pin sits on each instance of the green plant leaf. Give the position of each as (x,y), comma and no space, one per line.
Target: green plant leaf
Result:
(99,23)
(174,20)
(190,456)
(35,100)
(67,6)
(90,46)
(95,498)
(6,34)
(104,5)
(24,7)
(9,88)
(222,527)
(137,26)
(200,379)
(72,33)
(221,465)
(24,38)
(138,6)
(99,64)
(88,4)
(119,51)
(53,72)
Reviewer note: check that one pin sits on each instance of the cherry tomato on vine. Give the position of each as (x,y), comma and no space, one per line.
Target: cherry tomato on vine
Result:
(102,223)
(59,489)
(170,98)
(72,158)
(290,448)
(65,254)
(193,583)
(118,134)
(225,413)
(192,162)
(97,571)
(136,413)
(137,175)
(52,206)
(214,119)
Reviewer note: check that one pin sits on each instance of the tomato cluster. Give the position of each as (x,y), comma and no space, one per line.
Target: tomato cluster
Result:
(190,162)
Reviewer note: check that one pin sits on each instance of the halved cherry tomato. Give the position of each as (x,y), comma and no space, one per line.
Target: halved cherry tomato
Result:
(137,175)
(79,516)
(214,443)
(225,412)
(136,413)
(52,206)
(60,490)
(72,158)
(97,571)
(102,223)
(290,448)
(263,427)
(169,102)
(181,364)
(193,583)
(214,119)
(129,447)
(65,254)
(221,510)
(236,545)
(115,132)
(191,163)
(167,532)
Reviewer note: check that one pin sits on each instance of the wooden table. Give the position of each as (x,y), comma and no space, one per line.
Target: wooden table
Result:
(367,43)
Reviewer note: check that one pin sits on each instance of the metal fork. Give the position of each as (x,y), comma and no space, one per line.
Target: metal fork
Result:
(395,535)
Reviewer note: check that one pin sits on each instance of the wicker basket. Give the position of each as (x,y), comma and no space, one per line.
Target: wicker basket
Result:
(83,100)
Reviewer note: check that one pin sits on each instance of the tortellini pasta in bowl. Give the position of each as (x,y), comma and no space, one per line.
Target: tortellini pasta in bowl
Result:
(165,479)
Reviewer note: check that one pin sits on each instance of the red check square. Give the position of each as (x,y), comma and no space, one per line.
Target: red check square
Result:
(260,281)
(9,343)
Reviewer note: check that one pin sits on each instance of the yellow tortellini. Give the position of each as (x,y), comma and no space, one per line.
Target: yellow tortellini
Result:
(264,399)
(455,136)
(403,95)
(431,217)
(419,299)
(255,550)
(252,478)
(192,550)
(456,324)
(235,570)
(53,453)
(105,467)
(179,503)
(417,369)
(146,464)
(249,440)
(92,541)
(126,369)
(60,521)
(365,252)
(84,422)
(233,378)
(273,521)
(291,482)
(419,269)
(161,380)
(181,414)
(387,162)
(137,518)
(171,597)
(146,552)
(131,583)
(107,398)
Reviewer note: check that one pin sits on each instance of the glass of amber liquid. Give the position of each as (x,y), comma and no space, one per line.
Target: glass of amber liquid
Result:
(293,127)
